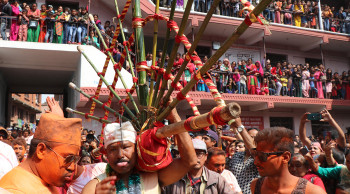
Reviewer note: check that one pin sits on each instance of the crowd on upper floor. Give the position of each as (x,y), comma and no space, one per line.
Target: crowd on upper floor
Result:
(299,13)
(63,25)
(264,78)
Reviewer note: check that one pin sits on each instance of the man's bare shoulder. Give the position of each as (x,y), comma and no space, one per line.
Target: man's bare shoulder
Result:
(314,189)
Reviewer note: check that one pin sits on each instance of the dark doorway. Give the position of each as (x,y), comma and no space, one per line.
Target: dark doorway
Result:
(313,62)
(203,51)
(274,58)
(64,4)
(286,122)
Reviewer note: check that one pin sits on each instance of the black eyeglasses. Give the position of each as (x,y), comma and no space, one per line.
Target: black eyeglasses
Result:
(262,156)
(67,161)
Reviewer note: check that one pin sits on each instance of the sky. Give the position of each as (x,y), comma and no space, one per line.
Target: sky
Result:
(44,96)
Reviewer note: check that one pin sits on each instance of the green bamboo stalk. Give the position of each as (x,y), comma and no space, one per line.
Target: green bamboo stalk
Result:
(193,47)
(74,87)
(111,57)
(174,50)
(227,44)
(155,36)
(70,110)
(140,56)
(126,47)
(165,48)
(107,84)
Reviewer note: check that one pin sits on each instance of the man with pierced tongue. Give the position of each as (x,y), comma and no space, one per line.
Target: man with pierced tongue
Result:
(52,158)
(122,175)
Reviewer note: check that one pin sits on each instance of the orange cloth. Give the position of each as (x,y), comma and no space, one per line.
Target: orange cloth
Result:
(19,180)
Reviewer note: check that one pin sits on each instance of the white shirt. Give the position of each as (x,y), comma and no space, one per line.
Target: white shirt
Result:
(89,173)
(232,181)
(8,159)
(28,139)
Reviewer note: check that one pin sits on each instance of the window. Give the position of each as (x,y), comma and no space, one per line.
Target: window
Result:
(274,58)
(286,122)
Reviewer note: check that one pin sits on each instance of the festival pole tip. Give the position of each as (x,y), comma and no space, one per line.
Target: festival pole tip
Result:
(80,49)
(69,110)
(72,85)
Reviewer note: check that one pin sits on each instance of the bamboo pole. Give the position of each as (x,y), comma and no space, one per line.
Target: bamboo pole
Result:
(227,44)
(140,57)
(228,112)
(193,47)
(70,110)
(154,52)
(174,50)
(117,70)
(165,48)
(74,87)
(106,83)
(126,47)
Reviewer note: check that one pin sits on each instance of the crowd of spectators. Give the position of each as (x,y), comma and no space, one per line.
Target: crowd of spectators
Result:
(232,164)
(299,13)
(280,79)
(64,25)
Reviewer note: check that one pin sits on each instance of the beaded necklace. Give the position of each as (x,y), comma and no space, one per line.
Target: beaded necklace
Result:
(134,183)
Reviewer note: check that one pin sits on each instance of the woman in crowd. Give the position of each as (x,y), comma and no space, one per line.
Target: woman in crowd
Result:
(300,167)
(58,32)
(14,22)
(34,26)
(317,75)
(43,26)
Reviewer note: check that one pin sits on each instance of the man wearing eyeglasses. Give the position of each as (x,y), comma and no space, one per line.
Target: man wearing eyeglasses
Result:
(52,158)
(274,149)
(199,179)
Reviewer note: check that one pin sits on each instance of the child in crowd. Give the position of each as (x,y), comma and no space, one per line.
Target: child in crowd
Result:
(313,89)
(284,82)
(243,80)
(23,28)
(73,21)
(50,23)
(236,78)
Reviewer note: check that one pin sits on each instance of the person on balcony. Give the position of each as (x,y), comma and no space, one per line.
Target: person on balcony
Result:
(327,14)
(298,11)
(43,24)
(23,28)
(305,86)
(34,26)
(14,22)
(317,75)
(6,10)
(60,18)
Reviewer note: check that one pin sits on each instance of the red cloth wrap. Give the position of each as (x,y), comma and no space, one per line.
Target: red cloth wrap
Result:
(157,16)
(117,66)
(112,86)
(180,96)
(142,63)
(127,90)
(216,116)
(161,71)
(103,107)
(135,79)
(247,20)
(125,43)
(153,153)
(101,73)
(170,24)
(86,115)
(209,120)
(91,97)
(178,38)
(187,124)
(167,76)
(118,16)
(121,101)
(175,86)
